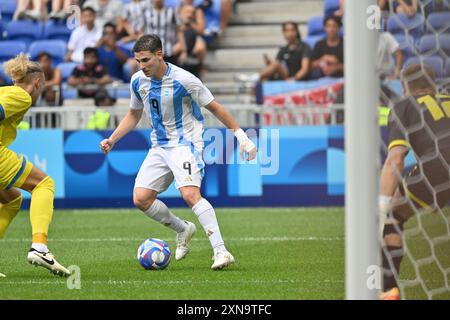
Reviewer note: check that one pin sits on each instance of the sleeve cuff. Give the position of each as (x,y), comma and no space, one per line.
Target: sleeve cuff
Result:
(399,142)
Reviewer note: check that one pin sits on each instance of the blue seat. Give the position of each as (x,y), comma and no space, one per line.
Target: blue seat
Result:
(432,44)
(24,30)
(330,6)
(312,40)
(315,26)
(56,48)
(56,30)
(438,22)
(4,76)
(66,69)
(406,43)
(11,48)
(426,6)
(435,62)
(400,23)
(7,8)
(172,3)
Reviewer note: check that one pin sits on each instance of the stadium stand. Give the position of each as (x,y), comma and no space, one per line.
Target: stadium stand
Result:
(399,23)
(438,22)
(56,30)
(436,62)
(24,30)
(330,6)
(10,48)
(7,8)
(56,48)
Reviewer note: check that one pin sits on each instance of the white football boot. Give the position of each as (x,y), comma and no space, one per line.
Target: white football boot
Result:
(2,275)
(183,239)
(222,259)
(48,261)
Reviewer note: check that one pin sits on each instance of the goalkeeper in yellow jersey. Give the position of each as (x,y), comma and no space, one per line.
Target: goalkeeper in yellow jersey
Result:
(16,172)
(420,123)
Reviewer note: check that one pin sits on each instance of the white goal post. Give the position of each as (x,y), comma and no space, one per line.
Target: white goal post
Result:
(362,254)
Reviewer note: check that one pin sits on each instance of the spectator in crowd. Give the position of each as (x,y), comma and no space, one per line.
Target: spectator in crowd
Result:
(61,8)
(109,54)
(226,10)
(52,94)
(90,72)
(84,36)
(388,48)
(162,21)
(328,54)
(292,62)
(132,21)
(192,59)
(198,22)
(107,11)
(407,7)
(30,9)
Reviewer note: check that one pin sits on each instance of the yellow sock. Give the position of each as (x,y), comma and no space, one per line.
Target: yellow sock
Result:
(41,209)
(7,213)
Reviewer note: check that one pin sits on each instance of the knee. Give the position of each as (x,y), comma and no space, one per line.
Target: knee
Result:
(142,202)
(46,183)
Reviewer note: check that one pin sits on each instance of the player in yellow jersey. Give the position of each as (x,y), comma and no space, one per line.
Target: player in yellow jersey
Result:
(16,172)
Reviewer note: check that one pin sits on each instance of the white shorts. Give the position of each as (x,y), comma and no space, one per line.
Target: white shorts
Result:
(161,165)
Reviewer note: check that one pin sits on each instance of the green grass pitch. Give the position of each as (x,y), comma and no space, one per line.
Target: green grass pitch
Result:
(290,253)
(280,254)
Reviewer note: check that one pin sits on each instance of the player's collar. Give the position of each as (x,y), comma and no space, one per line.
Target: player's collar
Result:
(169,68)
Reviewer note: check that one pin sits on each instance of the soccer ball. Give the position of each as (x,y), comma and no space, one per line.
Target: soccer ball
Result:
(154,254)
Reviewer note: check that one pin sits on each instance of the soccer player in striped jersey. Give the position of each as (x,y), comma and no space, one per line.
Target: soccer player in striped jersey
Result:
(18,173)
(419,123)
(173,97)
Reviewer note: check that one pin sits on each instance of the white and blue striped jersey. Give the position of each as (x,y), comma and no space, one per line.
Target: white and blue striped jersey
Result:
(173,106)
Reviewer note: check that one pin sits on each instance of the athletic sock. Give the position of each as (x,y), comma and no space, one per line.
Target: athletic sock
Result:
(207,217)
(41,209)
(159,212)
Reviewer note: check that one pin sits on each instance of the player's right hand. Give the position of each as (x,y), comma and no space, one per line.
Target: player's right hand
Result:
(106,145)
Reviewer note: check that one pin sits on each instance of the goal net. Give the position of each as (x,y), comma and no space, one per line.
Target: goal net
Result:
(424,40)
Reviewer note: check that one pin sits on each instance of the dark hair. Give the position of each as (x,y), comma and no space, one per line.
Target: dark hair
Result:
(148,42)
(89,8)
(44,54)
(109,24)
(295,25)
(90,50)
(334,18)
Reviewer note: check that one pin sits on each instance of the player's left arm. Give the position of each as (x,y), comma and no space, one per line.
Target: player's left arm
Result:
(224,116)
(392,170)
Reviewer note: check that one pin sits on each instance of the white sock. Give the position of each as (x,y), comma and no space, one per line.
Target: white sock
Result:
(39,247)
(207,217)
(159,212)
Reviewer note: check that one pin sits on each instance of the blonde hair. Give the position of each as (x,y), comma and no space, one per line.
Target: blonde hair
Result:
(21,69)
